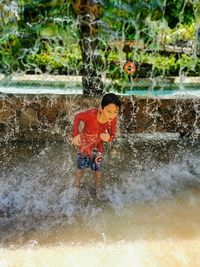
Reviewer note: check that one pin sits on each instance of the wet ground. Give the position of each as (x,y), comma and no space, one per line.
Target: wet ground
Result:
(147,215)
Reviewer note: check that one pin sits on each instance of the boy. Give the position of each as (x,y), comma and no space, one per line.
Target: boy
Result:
(99,126)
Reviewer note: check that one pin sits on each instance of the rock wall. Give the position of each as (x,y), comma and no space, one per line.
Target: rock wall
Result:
(50,117)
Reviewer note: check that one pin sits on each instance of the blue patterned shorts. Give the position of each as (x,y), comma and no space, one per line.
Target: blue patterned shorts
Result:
(94,162)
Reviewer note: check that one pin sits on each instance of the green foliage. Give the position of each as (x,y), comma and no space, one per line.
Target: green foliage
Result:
(162,65)
(180,11)
(187,63)
(181,34)
(10,53)
(57,61)
(115,71)
(44,36)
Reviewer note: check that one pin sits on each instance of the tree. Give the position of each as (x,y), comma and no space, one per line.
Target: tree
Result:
(88,14)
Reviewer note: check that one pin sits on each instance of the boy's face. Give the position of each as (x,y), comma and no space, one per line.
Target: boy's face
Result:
(109,112)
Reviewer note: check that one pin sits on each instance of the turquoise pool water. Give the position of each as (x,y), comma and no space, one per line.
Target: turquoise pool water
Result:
(166,92)
(43,90)
(70,89)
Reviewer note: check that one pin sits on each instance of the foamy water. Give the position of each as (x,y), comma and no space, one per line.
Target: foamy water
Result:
(164,235)
(148,214)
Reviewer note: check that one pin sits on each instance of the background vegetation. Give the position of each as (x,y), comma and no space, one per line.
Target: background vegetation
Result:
(62,37)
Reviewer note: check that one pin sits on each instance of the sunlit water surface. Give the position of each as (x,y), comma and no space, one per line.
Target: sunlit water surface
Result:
(147,215)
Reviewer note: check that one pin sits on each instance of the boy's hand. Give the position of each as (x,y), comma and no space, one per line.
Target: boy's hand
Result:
(77,140)
(105,137)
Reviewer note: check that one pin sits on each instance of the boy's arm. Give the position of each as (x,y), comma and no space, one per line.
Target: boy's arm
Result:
(77,119)
(112,130)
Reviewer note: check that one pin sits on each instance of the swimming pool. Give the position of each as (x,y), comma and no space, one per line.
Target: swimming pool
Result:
(165,92)
(66,90)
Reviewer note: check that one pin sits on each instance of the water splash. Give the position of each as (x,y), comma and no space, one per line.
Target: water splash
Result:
(37,187)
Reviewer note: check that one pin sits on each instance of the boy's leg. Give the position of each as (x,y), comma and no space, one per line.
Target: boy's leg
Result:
(79,174)
(97,180)
(97,167)
(83,162)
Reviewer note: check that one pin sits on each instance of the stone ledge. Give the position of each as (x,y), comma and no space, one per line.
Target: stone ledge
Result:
(51,117)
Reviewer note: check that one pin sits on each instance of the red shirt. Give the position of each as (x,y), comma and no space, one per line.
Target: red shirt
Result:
(90,134)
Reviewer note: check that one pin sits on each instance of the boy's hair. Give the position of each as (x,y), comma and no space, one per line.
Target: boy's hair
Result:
(110,98)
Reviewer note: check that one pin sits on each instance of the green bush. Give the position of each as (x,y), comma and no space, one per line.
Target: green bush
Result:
(10,53)
(187,63)
(65,63)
